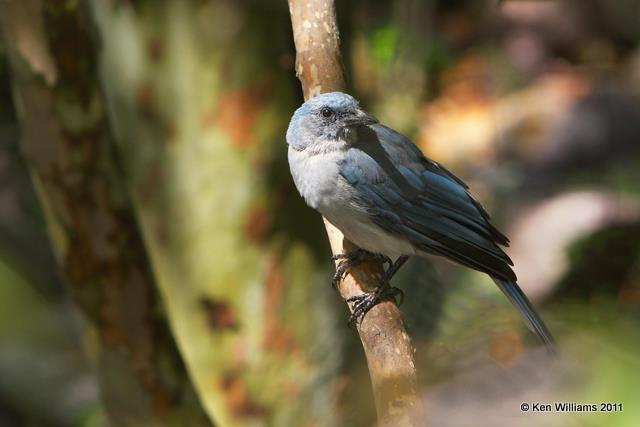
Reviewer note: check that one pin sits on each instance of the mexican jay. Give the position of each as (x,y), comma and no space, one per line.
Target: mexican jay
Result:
(386,197)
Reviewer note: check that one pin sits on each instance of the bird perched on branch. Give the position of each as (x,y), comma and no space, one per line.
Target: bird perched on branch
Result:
(377,187)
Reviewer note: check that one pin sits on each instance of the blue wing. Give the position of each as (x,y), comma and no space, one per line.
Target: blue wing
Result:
(413,197)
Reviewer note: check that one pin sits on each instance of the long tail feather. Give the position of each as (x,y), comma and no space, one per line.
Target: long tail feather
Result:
(529,314)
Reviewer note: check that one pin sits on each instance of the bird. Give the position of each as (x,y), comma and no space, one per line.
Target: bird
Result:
(378,188)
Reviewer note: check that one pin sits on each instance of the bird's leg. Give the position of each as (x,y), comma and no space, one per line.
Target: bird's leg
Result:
(366,301)
(395,267)
(351,259)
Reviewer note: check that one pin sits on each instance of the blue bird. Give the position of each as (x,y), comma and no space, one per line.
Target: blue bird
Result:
(377,187)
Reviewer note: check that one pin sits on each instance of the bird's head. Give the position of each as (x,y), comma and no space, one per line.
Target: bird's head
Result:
(327,117)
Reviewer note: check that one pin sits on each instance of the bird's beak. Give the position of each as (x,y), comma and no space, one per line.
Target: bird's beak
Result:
(360,118)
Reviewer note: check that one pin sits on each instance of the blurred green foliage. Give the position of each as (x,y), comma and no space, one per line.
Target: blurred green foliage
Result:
(383,43)
(44,379)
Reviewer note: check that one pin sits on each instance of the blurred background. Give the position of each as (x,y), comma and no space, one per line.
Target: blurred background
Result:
(157,266)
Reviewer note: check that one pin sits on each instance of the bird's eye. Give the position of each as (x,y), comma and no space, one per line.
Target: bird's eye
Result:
(326,112)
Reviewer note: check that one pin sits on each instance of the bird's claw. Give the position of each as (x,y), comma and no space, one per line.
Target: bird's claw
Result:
(366,301)
(341,271)
(351,259)
(337,257)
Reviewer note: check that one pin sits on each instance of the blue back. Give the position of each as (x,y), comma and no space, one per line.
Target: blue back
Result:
(413,197)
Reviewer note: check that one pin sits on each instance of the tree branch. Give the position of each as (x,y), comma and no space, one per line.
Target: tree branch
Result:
(386,343)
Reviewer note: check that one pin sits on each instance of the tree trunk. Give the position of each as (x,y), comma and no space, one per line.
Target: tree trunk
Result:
(66,142)
(195,94)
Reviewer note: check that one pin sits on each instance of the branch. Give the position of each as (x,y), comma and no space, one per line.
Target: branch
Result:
(386,343)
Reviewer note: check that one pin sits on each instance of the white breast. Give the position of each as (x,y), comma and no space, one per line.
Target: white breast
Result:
(318,179)
(315,176)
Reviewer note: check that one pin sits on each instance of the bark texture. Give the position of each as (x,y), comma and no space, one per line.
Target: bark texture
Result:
(67,144)
(386,343)
(198,101)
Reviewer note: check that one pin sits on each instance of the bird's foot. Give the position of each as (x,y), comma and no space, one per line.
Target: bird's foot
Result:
(366,301)
(351,259)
